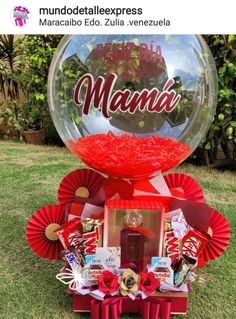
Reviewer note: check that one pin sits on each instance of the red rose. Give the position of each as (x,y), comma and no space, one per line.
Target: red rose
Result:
(148,283)
(108,282)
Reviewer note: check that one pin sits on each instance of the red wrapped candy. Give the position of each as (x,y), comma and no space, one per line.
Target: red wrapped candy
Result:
(193,243)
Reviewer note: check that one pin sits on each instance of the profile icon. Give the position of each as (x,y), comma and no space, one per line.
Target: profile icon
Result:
(21,16)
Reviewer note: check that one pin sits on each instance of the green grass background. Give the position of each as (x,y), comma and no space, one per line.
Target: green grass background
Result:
(29,177)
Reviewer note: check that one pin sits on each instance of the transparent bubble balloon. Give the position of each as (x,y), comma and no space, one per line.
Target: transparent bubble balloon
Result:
(132,106)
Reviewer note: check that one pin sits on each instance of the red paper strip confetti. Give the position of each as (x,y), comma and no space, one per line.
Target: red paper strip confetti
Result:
(129,156)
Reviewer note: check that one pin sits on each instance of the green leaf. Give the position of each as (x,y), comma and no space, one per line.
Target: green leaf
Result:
(229,131)
(40,97)
(233,124)
(231,38)
(221,117)
(222,70)
(215,128)
(208,146)
(228,111)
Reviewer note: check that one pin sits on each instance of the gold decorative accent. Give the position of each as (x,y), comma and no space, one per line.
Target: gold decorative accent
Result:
(49,231)
(82,192)
(210,231)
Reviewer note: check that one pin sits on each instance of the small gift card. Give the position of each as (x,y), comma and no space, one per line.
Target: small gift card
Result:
(110,256)
(161,267)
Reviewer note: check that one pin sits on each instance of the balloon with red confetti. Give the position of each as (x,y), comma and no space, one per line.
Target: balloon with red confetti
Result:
(132,106)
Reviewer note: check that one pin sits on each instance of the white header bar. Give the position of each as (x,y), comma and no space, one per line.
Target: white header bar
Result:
(117,17)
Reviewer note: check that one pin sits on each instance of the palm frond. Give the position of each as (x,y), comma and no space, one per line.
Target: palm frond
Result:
(9,49)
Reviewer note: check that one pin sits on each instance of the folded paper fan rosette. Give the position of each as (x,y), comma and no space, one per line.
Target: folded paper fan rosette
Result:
(84,183)
(40,231)
(191,189)
(219,237)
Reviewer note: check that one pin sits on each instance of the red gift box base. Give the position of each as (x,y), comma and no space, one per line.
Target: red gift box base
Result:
(170,303)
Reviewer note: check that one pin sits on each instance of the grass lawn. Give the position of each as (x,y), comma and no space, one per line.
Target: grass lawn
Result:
(29,177)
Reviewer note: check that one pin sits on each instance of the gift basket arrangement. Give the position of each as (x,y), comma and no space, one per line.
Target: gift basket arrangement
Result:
(131,107)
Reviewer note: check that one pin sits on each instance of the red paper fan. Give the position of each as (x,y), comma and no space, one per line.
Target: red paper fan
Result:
(219,239)
(191,188)
(40,231)
(81,183)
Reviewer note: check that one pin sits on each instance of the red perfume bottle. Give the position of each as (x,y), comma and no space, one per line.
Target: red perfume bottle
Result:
(132,241)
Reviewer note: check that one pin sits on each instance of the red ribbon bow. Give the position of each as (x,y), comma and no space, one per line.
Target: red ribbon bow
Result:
(149,308)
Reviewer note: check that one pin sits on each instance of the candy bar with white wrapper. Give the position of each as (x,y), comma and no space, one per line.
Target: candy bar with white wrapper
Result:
(161,267)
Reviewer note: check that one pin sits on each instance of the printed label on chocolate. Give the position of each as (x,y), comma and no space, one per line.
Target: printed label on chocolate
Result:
(99,94)
(191,246)
(71,259)
(172,245)
(90,241)
(75,240)
(161,267)
(95,271)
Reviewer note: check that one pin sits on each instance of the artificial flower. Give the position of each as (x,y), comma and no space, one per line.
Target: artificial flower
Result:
(108,282)
(148,283)
(128,282)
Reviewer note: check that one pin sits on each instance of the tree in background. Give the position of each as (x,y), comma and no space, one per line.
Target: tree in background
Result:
(35,57)
(222,133)
(9,88)
(9,53)
(24,66)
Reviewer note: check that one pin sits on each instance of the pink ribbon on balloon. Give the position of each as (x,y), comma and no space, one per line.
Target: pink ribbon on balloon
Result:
(112,308)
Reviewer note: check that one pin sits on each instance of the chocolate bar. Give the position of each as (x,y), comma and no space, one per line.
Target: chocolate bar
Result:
(171,243)
(71,256)
(93,269)
(193,243)
(92,235)
(161,267)
(70,234)
(184,265)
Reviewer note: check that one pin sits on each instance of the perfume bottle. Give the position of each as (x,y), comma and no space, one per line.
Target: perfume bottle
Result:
(132,241)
